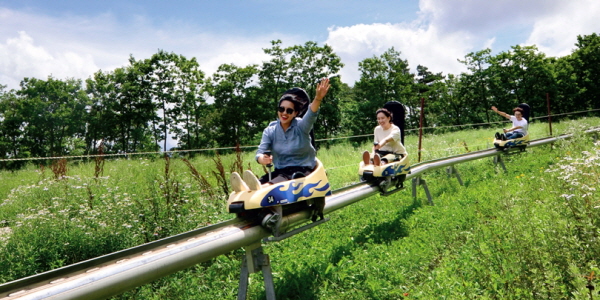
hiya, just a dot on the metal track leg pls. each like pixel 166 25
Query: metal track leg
pixel 415 182
pixel 255 260
pixel 452 171
pixel 424 184
pixel 267 275
pixel 243 288
pixel 420 181
pixel 498 160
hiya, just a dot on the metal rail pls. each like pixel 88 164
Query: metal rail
pixel 420 168
pixel 114 273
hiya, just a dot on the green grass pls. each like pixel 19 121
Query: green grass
pixel 530 233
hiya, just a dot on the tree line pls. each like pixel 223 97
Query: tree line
pixel 136 107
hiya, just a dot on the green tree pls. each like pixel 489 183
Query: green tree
pixel 564 99
pixel 431 89
pixel 522 74
pixel 101 119
pixel 273 74
pixel 346 97
pixel 586 64
pixel 11 128
pixel 235 91
pixel 454 109
pixel 191 112
pixel 55 113
pixel 474 86
pixel 194 120
pixel 120 112
pixel 169 79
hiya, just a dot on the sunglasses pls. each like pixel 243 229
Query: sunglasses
pixel 289 111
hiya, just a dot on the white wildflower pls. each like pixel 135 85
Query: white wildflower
pixel 567 196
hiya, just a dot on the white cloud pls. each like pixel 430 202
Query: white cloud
pixel 448 30
pixel 489 43
pixel 419 45
pixel 75 47
pixel 37 45
pixel 483 17
pixel 20 57
pixel 556 34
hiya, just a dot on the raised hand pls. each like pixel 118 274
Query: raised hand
pixel 322 88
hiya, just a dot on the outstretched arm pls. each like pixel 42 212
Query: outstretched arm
pixel 322 89
pixel 501 112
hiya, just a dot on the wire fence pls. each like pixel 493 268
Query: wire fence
pixel 126 154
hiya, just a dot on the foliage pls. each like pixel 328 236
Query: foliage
pixel 43 116
pixel 175 86
pixel 236 119
pixel 140 106
pixel 119 114
pixel 474 86
pixel 521 75
pixel 586 66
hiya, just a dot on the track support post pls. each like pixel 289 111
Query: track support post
pixel 420 181
pixel 498 160
pixel 255 260
pixel 451 171
pixel 294 232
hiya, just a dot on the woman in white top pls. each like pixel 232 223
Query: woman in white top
pixel 519 125
pixel 387 141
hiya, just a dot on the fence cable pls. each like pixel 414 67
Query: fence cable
pixel 126 154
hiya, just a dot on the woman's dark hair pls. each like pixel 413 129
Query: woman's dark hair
pixel 518 109
pixel 298 105
pixel 298 97
pixel 386 112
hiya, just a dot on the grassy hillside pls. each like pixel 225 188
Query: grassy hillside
pixel 530 233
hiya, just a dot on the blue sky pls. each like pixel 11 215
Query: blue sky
pixel 310 18
pixel 74 39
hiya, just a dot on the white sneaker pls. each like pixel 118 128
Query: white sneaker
pixel 237 184
pixel 251 180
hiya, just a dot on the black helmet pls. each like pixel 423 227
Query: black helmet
pixel 526 110
pixel 398 114
pixel 299 97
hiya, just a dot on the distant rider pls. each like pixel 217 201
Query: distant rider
pixel 387 141
pixel 519 125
